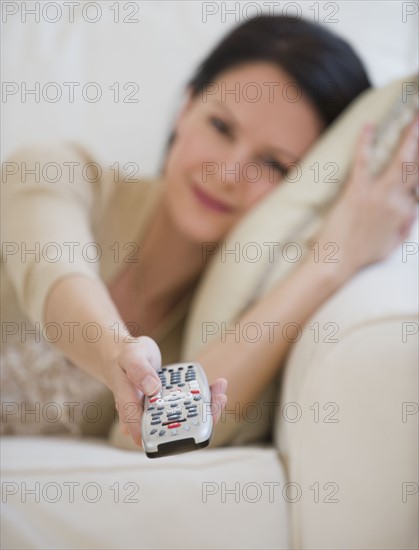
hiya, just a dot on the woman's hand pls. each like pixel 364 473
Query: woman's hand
pixel 373 215
pixel 133 373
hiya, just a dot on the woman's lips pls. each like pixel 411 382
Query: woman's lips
pixel 210 202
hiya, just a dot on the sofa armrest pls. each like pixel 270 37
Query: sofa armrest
pixel 347 425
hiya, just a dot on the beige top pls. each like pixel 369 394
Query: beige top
pixel 78 217
pixel 66 214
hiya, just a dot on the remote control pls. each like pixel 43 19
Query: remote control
pixel 178 419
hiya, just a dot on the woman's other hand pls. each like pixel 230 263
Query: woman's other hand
pixel 374 214
pixel 133 374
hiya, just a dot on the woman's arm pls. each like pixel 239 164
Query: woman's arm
pixel 250 365
pixel 125 364
pixel 76 301
pixel 367 222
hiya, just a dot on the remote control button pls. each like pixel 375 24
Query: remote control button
pixel 174 395
pixel 190 415
pixel 175 425
pixel 162 432
pixel 154 422
pixel 181 384
pixel 155 398
pixel 160 407
pixel 156 414
pixel 195 391
pixel 197 398
pixel 190 367
pixel 153 431
pixel 150 408
pixel 169 387
pixel 173 404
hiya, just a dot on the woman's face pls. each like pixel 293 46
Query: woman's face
pixel 232 141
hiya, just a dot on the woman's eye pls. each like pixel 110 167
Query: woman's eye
pixel 220 125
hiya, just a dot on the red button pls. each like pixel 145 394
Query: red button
pixel 195 391
pixel 153 399
pixel 175 425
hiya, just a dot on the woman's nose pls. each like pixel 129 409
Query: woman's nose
pixel 233 165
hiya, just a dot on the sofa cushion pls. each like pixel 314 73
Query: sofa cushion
pixel 86 494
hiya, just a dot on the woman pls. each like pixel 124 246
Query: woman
pixel 205 193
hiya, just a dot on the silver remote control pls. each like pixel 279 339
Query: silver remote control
pixel 178 419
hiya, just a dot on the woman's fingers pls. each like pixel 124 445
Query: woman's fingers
pixel 361 164
pixel 218 398
pixel 402 170
pixel 408 148
pixel 132 374
pixel 219 386
pixel 129 404
pixel 140 361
